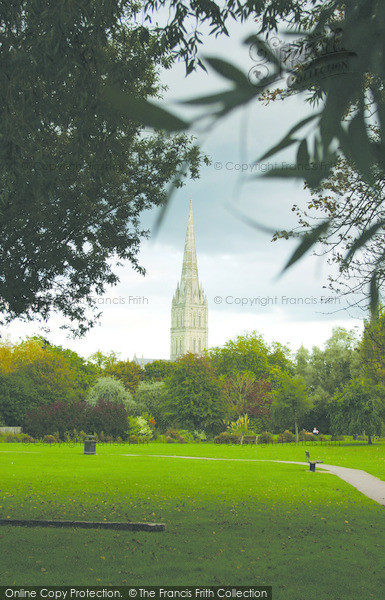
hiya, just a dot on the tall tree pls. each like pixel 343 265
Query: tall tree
pixel 158 370
pixel 359 407
pixel 194 394
pixel 126 371
pixel 247 395
pixel 290 402
pixel 325 370
pixel 372 349
pixel 250 353
pixel 75 171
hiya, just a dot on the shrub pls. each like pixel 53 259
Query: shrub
pixel 49 439
pixel 16 437
pixel 241 426
pixel 199 436
pixel 109 389
pixel 140 426
pixel 286 437
pixel 227 438
pixel 306 436
pixel 182 436
pixel 265 438
pixel 337 438
pixel 62 418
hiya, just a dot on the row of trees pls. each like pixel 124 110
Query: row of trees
pixel 338 389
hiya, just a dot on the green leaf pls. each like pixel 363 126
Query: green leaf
pixel 220 98
pixel 359 146
pixel 308 241
pixel 374 295
pixel 288 140
pixel 284 143
pixel 251 222
pixel 303 154
pixel 228 70
pixel 142 110
pixel 283 172
pixel 362 239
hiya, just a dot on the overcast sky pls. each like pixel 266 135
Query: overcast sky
pixel 238 265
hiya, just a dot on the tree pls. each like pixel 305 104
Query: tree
pixel 109 389
pixel 126 371
pixel 250 353
pixel 372 349
pixel 290 402
pixel 76 172
pixel 350 204
pixel 34 372
pixel 325 370
pixel 151 397
pixel 194 395
pixel 18 396
pixel 50 373
pixel 85 372
pixel 245 395
pixel 158 370
pixel 359 407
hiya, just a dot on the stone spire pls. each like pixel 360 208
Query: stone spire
pixel 189 330
pixel 189 282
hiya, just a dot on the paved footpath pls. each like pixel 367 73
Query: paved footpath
pixel 367 484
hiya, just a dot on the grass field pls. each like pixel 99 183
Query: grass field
pixel 229 522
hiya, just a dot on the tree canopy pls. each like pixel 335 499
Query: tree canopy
pixel 75 172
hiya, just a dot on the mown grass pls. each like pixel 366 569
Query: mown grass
pixel 228 522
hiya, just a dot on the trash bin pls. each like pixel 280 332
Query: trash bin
pixel 90 444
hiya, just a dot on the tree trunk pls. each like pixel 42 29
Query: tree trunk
pixel 370 439
pixel 296 432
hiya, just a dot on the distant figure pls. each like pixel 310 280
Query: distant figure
pixel 315 431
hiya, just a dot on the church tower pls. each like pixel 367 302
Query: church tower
pixel 189 330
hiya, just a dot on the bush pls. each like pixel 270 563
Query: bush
pixel 265 438
pixel 140 427
pixel 182 436
pixel 61 418
pixel 228 438
pixel 241 426
pixel 199 436
pixel 306 436
pixel 15 437
pixel 286 437
pixel 337 438
pixel 49 439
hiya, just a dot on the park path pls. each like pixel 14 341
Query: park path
pixel 369 485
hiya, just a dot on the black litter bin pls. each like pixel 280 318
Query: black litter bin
pixel 90 444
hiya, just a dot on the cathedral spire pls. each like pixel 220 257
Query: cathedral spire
pixel 189 305
pixel 189 283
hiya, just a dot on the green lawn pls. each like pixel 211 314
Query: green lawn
pixel 309 535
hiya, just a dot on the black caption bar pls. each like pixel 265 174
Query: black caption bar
pixel 136 593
